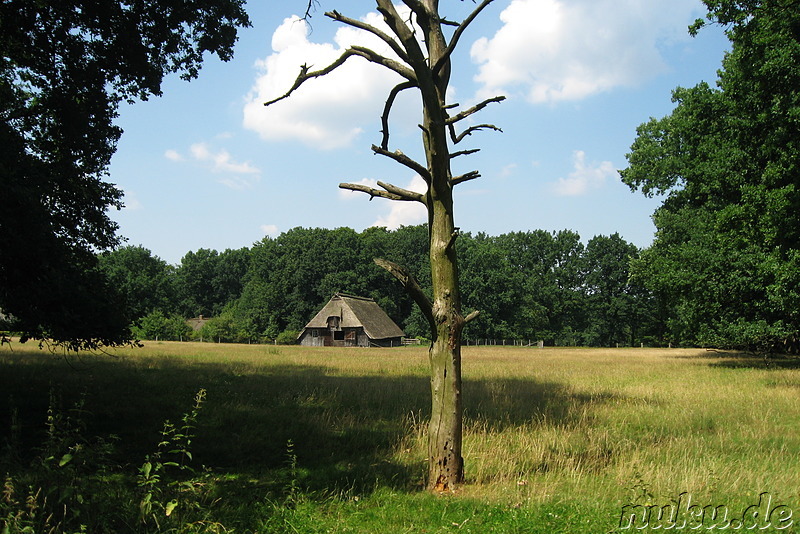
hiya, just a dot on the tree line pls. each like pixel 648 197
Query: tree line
pixel 533 285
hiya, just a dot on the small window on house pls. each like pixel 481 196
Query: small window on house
pixel 338 335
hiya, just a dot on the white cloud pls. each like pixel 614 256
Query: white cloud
pixel 404 213
pixel 326 112
pixel 173 155
pixel 238 183
pixel 131 201
pixel 269 229
pixel 221 160
pixel 584 178
pixel 560 50
pixel 508 170
pixel 238 175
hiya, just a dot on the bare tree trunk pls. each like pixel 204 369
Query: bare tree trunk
pixel 429 72
pixel 445 463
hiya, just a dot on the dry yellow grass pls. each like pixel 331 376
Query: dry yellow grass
pixel 542 425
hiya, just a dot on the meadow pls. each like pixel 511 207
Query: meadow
pixel 322 440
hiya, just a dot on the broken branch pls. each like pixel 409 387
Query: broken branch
pixel 371 191
pixel 309 7
pixel 391 192
pixel 458 138
pixel 405 193
pixel 412 287
pixel 474 109
pixel 388 107
pixel 401 69
pixel 307 74
pixel 402 159
pixel 464 152
pixel 457 35
pixel 335 15
pixel 471 316
pixel 471 175
pixel 403 32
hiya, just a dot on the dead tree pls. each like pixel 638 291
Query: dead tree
pixel 423 43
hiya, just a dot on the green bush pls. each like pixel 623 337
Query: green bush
pixel 157 326
pixel 287 337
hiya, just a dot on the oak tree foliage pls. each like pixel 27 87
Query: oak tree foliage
pixel 726 259
pixel 65 68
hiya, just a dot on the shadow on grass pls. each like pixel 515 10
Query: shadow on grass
pixel 733 359
pixel 747 360
pixel 272 426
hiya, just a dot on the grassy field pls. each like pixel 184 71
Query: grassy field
pixel 333 440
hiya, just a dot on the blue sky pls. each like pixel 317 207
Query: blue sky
pixel 207 166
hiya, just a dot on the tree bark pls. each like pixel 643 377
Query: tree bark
pixel 445 462
pixel 429 72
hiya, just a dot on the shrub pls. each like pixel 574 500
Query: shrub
pixel 287 337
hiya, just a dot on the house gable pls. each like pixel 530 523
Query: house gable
pixel 348 320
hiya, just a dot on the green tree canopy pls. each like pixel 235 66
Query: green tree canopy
pixel 146 282
pixel 726 258
pixel 65 67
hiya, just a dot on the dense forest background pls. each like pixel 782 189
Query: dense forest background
pixel 528 286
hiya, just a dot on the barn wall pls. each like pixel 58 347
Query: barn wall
pixel 307 339
pixel 363 339
pixel 360 339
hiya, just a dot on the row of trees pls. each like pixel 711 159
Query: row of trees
pixel 528 285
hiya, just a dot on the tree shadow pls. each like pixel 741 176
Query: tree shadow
pixel 271 427
pixel 748 360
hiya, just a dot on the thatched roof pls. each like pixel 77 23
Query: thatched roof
pixel 196 323
pixel 357 312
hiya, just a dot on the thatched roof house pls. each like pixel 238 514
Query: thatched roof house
pixel 196 323
pixel 350 321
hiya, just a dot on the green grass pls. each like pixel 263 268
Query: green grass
pixel 556 440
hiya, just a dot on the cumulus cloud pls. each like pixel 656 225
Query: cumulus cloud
pixel 508 170
pixel 131 200
pixel 238 175
pixel 584 178
pixel 173 155
pixel 326 112
pixel 566 50
pixel 269 229
pixel 221 160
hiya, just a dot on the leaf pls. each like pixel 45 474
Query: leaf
pixel 67 458
pixel 171 505
pixel 146 467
